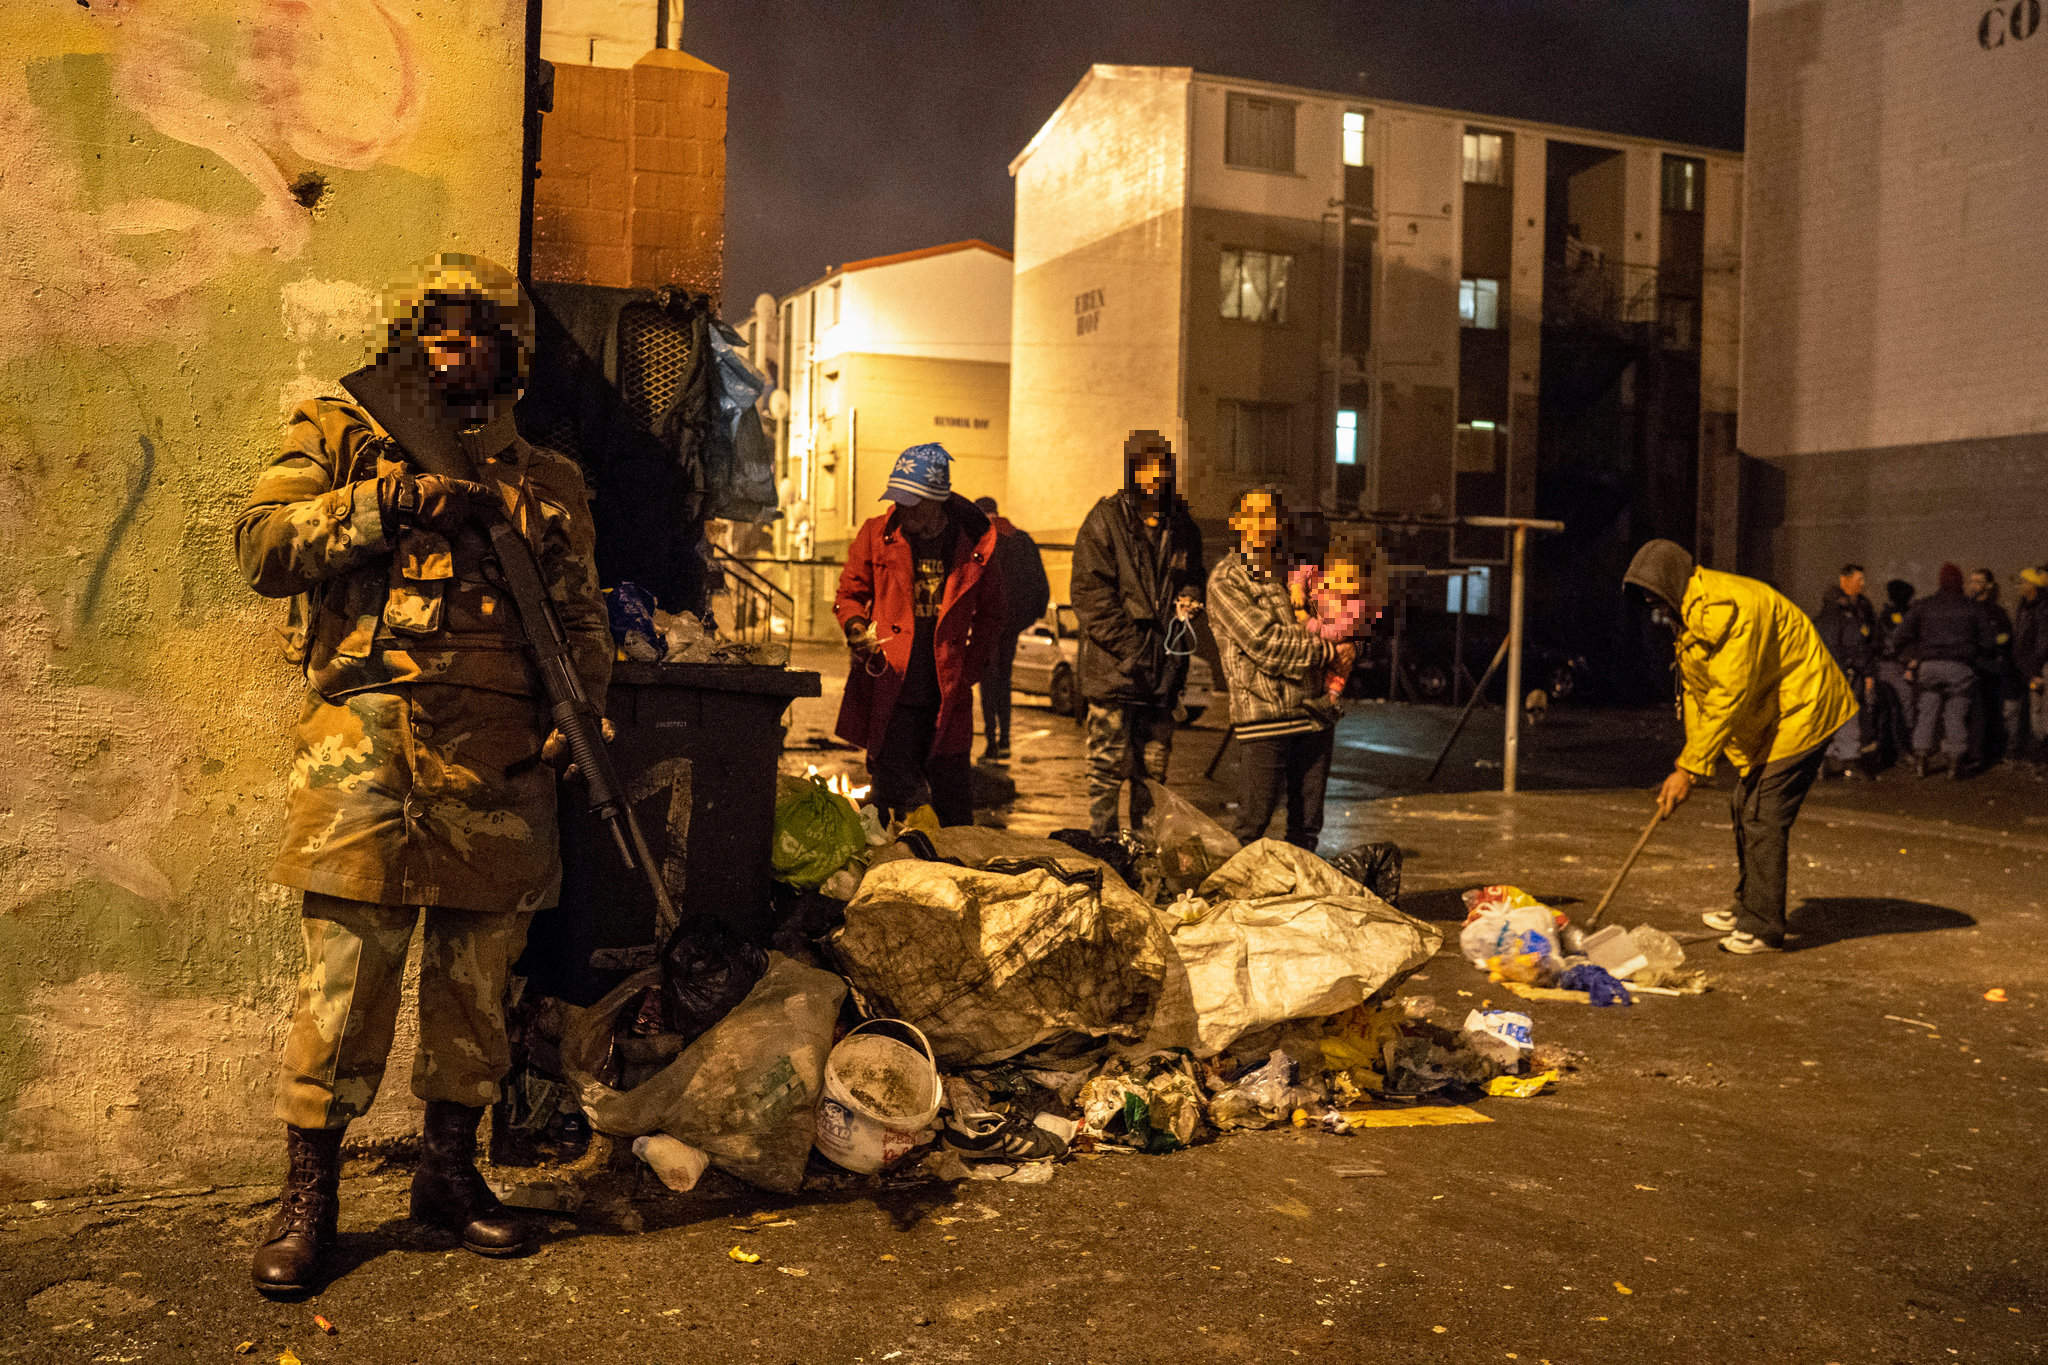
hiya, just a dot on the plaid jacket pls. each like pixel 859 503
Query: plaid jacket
pixel 1272 662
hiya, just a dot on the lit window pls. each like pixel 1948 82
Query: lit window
pixel 1479 303
pixel 1354 139
pixel 1254 285
pixel 1258 133
pixel 1256 437
pixel 1684 183
pixel 1485 159
pixel 1347 436
pixel 1476 602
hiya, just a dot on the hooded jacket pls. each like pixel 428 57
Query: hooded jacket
pixel 1945 626
pixel 878 586
pixel 1758 683
pixel 1125 578
pixel 1026 590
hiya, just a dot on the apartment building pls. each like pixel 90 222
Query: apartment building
pixel 1895 314
pixel 1383 308
pixel 876 356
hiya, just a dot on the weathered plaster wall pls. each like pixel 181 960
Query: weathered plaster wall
pixel 165 297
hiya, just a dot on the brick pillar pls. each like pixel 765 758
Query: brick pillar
pixel 632 176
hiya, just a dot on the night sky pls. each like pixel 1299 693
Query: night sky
pixel 861 127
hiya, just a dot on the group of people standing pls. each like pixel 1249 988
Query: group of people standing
pixel 948 587
pixel 1951 681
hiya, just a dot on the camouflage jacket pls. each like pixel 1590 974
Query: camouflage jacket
pixel 376 607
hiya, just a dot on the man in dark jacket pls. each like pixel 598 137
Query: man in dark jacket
pixel 1895 690
pixel 1026 593
pixel 1848 627
pixel 1941 640
pixel 1998 681
pixel 2030 657
pixel 1137 584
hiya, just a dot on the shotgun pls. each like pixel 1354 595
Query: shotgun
pixel 401 401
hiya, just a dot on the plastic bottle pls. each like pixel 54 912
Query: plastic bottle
pixel 678 1164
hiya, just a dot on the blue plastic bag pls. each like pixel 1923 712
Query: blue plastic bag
pixel 741 465
pixel 631 609
pixel 1597 982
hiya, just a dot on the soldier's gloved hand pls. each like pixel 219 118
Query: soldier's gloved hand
pixel 431 501
pixel 556 749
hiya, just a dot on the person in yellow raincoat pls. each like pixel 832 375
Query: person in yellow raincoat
pixel 1759 687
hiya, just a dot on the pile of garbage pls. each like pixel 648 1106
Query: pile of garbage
pixel 977 1003
pixel 1538 953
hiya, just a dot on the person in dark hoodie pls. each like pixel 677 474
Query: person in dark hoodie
pixel 2030 657
pixel 1137 585
pixel 1941 640
pixel 921 602
pixel 1758 687
pixel 1026 593
pixel 1896 714
pixel 1998 682
pixel 1848 627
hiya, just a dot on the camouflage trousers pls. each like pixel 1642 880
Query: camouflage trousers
pixel 1133 742
pixel 347 1011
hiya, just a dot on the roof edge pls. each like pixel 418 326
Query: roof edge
pixel 1107 71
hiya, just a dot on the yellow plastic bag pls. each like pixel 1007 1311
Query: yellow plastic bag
pixel 1520 1087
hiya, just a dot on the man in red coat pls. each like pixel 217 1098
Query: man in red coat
pixel 921 602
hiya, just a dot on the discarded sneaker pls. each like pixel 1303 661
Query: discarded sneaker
pixel 1723 920
pixel 993 1137
pixel 1739 942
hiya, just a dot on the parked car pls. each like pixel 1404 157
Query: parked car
pixel 1046 664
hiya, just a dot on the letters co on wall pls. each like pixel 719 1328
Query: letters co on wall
pixel 2015 21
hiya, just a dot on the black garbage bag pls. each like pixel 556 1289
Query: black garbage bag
pixel 1120 851
pixel 1377 865
pixel 705 972
pixel 802 918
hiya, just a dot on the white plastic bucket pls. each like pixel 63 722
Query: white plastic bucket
pixel 882 1092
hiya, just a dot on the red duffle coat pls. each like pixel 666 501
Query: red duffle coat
pixel 877 584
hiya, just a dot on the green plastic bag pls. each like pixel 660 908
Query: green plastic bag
pixel 817 832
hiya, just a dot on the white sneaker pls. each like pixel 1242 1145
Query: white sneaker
pixel 1739 942
pixel 1723 920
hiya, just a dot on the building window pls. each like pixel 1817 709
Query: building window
pixel 1347 436
pixel 1255 438
pixel 1479 303
pixel 1685 183
pixel 1477 601
pixel 1258 133
pixel 1255 285
pixel 1485 159
pixel 1354 138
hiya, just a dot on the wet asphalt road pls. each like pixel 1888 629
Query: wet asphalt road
pixel 1832 1156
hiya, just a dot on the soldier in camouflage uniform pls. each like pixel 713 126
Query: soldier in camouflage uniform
pixel 422 781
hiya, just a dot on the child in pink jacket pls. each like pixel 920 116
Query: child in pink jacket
pixel 1340 600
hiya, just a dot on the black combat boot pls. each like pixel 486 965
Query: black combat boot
pixel 302 1234
pixel 449 1192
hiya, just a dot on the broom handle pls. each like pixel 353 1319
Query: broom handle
pixel 1593 920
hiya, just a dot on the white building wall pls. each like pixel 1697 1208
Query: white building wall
pixel 614 33
pixel 954 306
pixel 1097 332
pixel 1897 184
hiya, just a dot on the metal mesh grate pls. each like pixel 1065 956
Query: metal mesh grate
pixel 654 361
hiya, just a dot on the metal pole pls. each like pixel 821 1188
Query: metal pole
pixel 1478 691
pixel 1458 633
pixel 1510 760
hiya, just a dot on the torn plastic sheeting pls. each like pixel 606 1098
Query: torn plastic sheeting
pixel 1322 950
pixel 1190 845
pixel 989 963
pixel 745 1093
